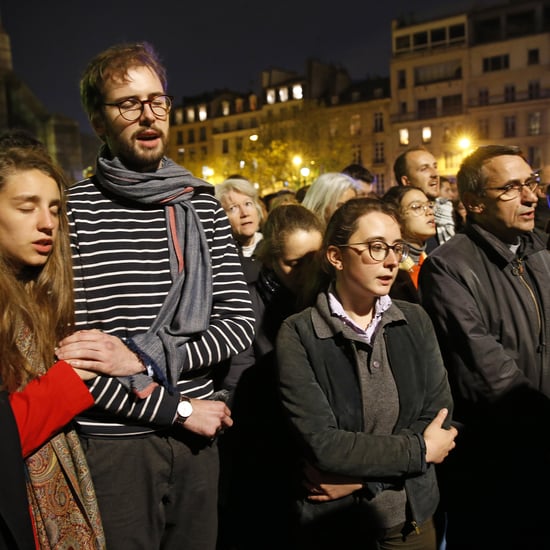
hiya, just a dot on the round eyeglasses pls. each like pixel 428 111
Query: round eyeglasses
pixel 130 109
pixel 419 208
pixel 379 250
pixel 513 189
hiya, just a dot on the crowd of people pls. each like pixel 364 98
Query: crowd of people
pixel 216 371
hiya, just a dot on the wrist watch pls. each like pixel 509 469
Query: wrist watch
pixel 184 410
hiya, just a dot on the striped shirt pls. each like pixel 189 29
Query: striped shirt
pixel 122 275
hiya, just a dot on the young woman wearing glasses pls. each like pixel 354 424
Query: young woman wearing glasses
pixel 365 391
pixel 416 213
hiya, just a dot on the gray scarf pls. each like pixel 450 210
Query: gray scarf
pixel 182 315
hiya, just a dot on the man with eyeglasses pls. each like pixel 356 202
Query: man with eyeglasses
pixel 158 278
pixel 487 292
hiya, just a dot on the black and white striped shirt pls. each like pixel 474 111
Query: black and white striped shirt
pixel 122 275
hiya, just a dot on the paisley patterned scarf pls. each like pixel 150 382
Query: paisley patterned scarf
pixel 59 485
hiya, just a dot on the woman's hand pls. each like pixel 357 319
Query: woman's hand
pixel 439 441
pixel 323 486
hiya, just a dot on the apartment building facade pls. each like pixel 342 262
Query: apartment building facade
pixel 455 83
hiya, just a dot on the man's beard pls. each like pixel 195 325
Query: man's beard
pixel 139 159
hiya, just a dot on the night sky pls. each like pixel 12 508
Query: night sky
pixel 206 45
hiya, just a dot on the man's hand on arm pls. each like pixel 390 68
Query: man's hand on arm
pixel 96 352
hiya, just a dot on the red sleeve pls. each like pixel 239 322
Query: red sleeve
pixel 47 403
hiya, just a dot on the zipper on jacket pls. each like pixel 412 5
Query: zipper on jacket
pixel 518 271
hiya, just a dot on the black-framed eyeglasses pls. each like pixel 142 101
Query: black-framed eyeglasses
pixel 131 108
pixel 419 208
pixel 379 250
pixel 513 189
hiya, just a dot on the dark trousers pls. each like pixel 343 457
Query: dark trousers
pixel 156 492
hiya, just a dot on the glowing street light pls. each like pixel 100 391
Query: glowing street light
pixel 297 160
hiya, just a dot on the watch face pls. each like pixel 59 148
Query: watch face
pixel 185 409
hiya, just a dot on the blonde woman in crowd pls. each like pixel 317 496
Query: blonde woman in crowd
pixel 328 192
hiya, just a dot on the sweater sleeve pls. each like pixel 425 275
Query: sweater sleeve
pixel 47 403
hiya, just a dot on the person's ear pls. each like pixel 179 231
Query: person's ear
pixel 405 181
pixel 334 257
pixel 98 124
pixel 473 203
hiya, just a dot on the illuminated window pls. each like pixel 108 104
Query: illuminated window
pixel 178 116
pixel 533 124
pixel 190 113
pixel 283 94
pixel 426 134
pixel 202 113
pixel 270 96
pixel 239 105
pixel 225 108
pixel 403 136
pixel 253 102
pixel 297 92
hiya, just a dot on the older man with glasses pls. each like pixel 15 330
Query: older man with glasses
pixel 487 292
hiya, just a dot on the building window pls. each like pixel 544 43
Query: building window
pixel 402 43
pixel 204 152
pixel 534 124
pixel 203 113
pixel 226 127
pixel 379 152
pixel 401 79
pixel 420 40
pixel 438 72
pixel 225 146
pixel 252 102
pixel 379 181
pixel 483 96
pixel 179 137
pixel 403 107
pixel 355 125
pixel 297 91
pixel 509 93
pixel 438 36
pixel 190 114
pixel 239 105
pixel 283 94
pixel 178 116
pixel 202 133
pixel 534 156
pixel 496 63
pixel 403 136
pixel 426 134
pixel 533 57
pixel 427 108
pixel 509 126
pixel 533 89
pixel 483 128
pixel 447 134
pixel 191 136
pixel 270 96
pixel 226 108
pixel 451 104
pixel 378 122
pixel 457 33
pixel 239 144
